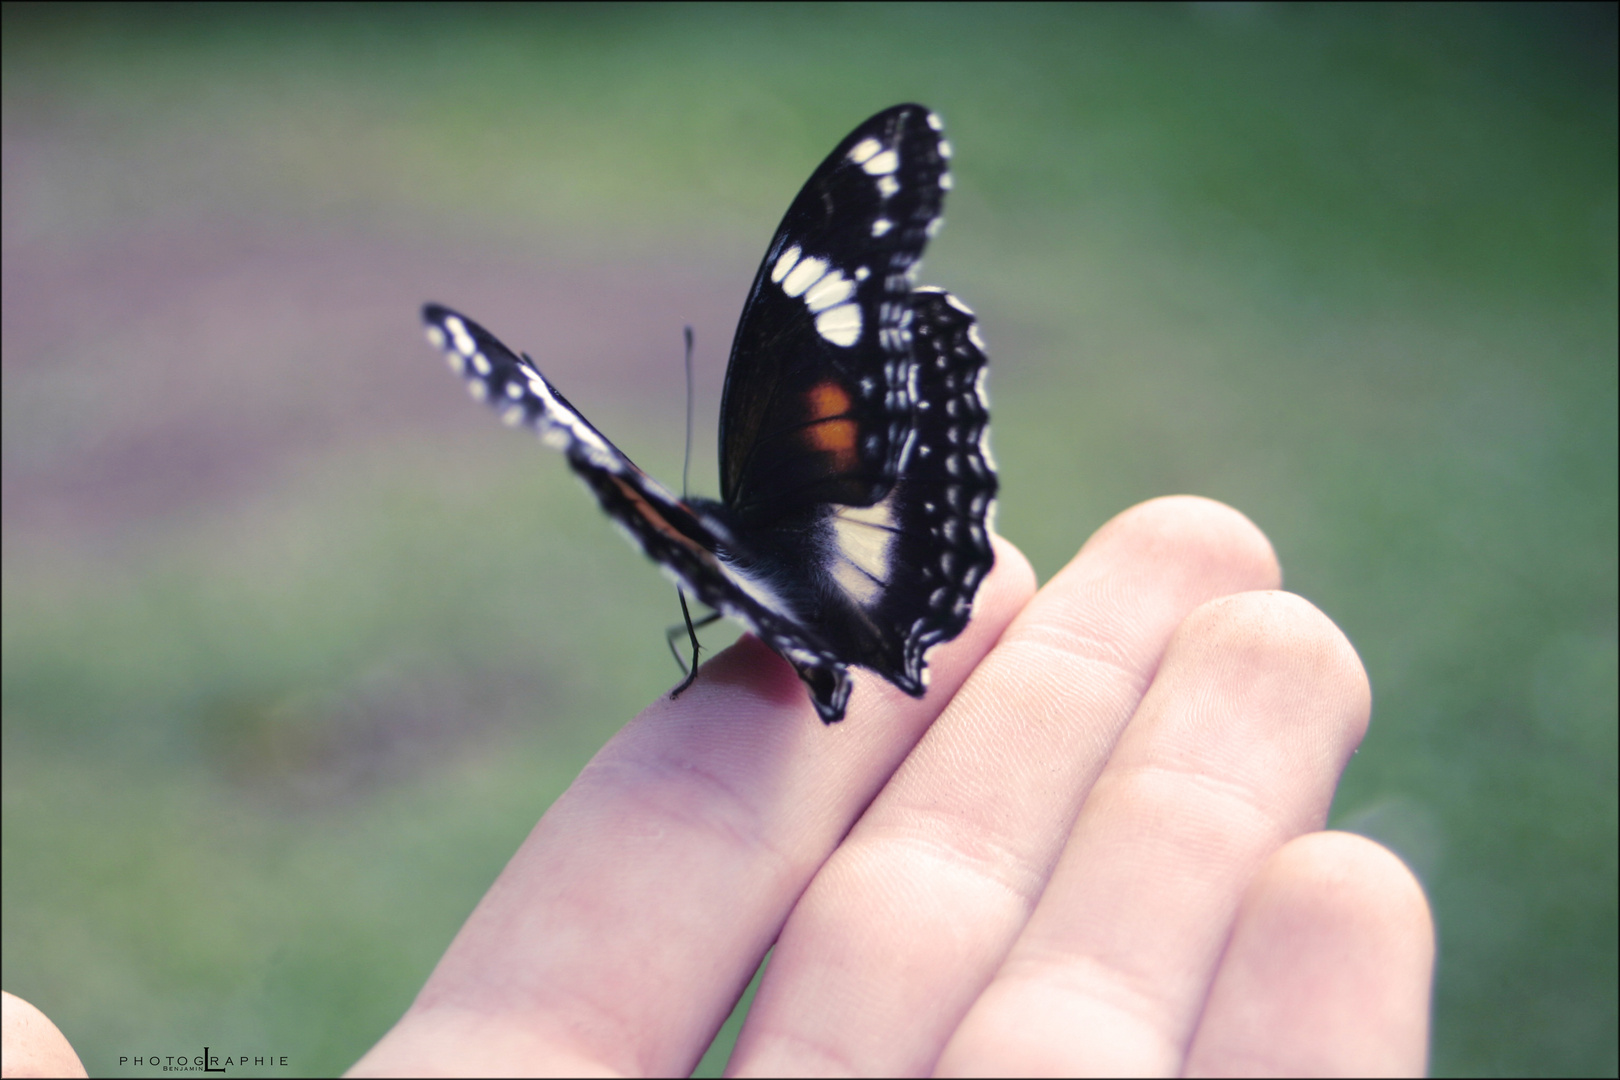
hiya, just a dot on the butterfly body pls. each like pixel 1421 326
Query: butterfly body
pixel 855 473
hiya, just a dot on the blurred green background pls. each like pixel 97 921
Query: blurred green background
pixel 298 643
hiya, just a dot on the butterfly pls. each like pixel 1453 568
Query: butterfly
pixel 856 482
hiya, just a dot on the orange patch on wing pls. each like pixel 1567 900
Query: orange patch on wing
pixel 825 433
pixel 828 399
pixel 650 514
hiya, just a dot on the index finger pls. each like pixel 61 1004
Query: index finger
pixel 625 928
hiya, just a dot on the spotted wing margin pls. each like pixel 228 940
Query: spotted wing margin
pixel 822 346
pixel 685 540
pixel 908 567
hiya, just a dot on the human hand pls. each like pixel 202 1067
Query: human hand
pixel 30 1045
pixel 1101 858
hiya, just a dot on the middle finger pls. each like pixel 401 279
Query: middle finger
pixel 909 919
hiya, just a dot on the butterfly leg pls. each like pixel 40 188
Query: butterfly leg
pixel 691 632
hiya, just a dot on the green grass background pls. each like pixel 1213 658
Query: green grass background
pixel 267 740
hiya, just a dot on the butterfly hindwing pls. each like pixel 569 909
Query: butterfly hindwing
pixel 665 528
pixel 942 503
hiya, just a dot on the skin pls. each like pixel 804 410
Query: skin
pixel 1093 847
pixel 32 1045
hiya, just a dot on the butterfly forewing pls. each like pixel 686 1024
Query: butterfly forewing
pixel 817 396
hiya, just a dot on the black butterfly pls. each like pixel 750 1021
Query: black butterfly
pixel 856 484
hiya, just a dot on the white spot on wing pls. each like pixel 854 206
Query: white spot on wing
pixel 981 390
pixel 935 122
pixel 458 334
pixel 863 151
pixel 806 274
pixel 860 588
pixel 864 539
pixel 785 263
pixel 887 186
pixel 945 181
pixel 881 226
pixel 835 288
pixel 944 148
pixel 840 325
pixel 883 164
pixel 435 337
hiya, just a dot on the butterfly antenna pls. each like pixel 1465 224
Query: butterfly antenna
pixel 686 462
pixel 686 614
